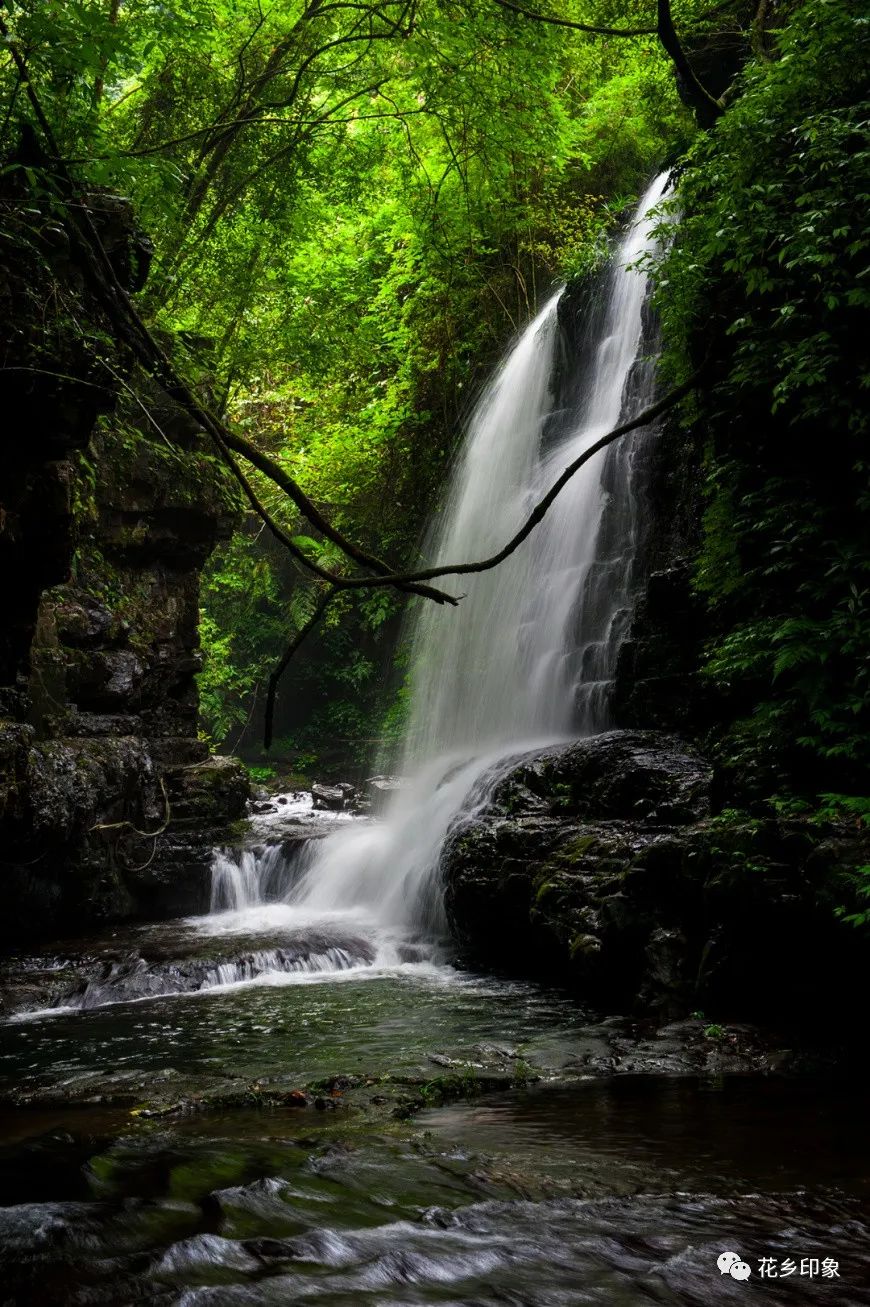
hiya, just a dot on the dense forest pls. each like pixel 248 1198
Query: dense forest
pixel 435 547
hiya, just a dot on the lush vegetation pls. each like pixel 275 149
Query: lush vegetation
pixel 768 280
pixel 352 207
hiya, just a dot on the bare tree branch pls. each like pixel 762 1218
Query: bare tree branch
pixel 100 81
pixel 757 31
pixel 333 578
pixel 539 512
pixel 255 119
pixel 153 358
pixel 134 333
pixel 706 105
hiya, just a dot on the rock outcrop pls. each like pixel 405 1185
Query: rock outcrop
pixel 108 800
pixel 600 863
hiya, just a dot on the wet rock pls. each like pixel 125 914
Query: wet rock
pixel 378 789
pixel 682 1048
pixel 104 680
pixel 120 980
pixel 600 863
pixel 202 1254
pixel 333 797
pixel 619 775
pixel 690 1029
pixel 98 698
pixel 74 784
pixel 412 952
pixel 215 790
pixel 81 619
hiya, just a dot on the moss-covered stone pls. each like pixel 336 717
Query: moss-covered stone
pixel 642 900
pixel 106 519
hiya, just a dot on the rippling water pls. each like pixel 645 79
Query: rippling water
pixel 280 1028
pixel 610 1191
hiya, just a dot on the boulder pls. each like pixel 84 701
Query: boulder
pixel 333 797
pixel 213 792
pixel 645 776
pixel 600 863
pixel 377 791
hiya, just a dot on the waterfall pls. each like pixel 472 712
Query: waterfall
pixel 528 656
pixel 518 661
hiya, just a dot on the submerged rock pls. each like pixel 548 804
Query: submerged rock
pixel 122 979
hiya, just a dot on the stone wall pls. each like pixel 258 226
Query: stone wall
pixel 109 803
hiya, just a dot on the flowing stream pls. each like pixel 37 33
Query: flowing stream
pixel 296 1098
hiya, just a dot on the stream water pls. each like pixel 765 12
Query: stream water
pixel 298 1097
pixel 517 1178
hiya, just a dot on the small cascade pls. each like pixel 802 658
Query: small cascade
pixel 529 656
pixel 241 878
pixel 135 978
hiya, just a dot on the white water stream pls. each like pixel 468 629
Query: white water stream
pixel 528 656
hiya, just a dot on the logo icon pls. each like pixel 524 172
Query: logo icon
pixel 732 1264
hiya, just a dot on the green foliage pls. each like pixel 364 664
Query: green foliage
pixel 241 624
pixel 860 886
pixel 855 808
pixel 768 277
pixel 353 205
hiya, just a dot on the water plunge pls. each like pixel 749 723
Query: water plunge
pixel 529 655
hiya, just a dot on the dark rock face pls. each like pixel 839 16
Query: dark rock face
pixel 657 682
pixel 600 863
pixel 108 801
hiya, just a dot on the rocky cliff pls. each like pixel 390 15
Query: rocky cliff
pixel 110 507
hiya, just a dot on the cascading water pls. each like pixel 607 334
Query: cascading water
pixel 528 656
pixel 508 669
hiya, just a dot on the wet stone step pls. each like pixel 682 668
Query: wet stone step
pixel 136 978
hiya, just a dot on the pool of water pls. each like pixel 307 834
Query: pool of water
pixel 290 1030
pixel 541 1186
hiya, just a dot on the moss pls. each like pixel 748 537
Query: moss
pixel 192 1180
pixel 583 944
pixel 576 850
